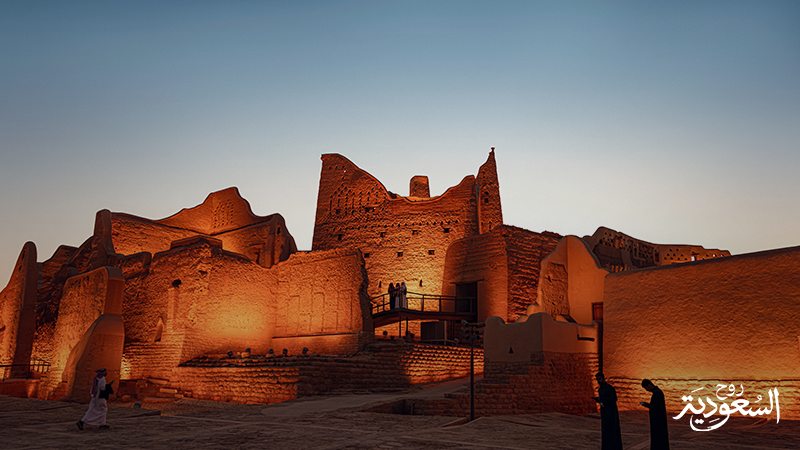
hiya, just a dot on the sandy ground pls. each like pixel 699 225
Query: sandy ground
pixel 337 423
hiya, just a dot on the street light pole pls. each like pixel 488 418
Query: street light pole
pixel 472 376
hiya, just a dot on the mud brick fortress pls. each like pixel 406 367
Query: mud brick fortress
pixel 218 303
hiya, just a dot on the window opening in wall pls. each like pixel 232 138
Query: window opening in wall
pixel 380 284
pixel 176 283
pixel 399 254
pixel 485 199
pixel 383 234
pixel 366 255
pixel 414 232
pixel 431 252
pixel 420 283
pixel 446 230
pixel 159 331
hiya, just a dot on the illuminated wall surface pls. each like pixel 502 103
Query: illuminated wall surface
pixel 151 298
pixel 403 238
pixel 728 319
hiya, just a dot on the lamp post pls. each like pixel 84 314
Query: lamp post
pixel 471 331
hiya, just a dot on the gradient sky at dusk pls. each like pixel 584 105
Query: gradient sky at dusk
pixel 675 122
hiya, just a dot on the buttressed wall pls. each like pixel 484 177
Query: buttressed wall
pixel 719 320
pixel 504 263
pixel 86 297
pixel 571 281
pixel 402 238
pixel 18 310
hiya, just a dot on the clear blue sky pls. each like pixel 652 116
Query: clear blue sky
pixel 675 122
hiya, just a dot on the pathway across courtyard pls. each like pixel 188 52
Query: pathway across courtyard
pixel 339 423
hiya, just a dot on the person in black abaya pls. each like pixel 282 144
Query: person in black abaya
pixel 659 435
pixel 609 415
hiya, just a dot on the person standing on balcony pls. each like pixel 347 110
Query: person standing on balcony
pixel 392 295
pixel 403 293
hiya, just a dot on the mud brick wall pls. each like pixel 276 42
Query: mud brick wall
pixel 388 365
pixel 321 302
pixel 697 320
pixel 18 309
pixel 550 382
pixel 403 239
pixel 630 392
pixel 239 384
pixel 224 215
pixel 53 275
pixel 526 250
pixel 84 300
pixel 505 262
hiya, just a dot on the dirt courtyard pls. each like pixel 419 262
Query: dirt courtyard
pixel 338 423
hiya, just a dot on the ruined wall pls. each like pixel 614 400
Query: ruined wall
pixel 505 263
pixel 617 251
pixel 195 299
pixel 402 238
pixel 54 273
pixel 224 215
pixel 526 250
pixel 322 302
pixel 198 299
pixel 490 211
pixel 732 318
pixel 571 281
pixel 133 234
pixel 18 311
pixel 84 300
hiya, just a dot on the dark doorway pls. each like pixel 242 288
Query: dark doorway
pixel 466 297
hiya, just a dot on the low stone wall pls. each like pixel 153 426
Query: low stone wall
pixel 327 344
pixel 276 379
pixel 389 366
pixel 550 382
pixel 239 384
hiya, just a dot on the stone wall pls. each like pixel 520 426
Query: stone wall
pixel 617 251
pixel 548 382
pixel 380 367
pixel 86 297
pixel 322 302
pixel 224 215
pixel 199 299
pixel 402 238
pixel 18 311
pixel 733 318
pixel 531 366
pixel 239 384
pixel 571 281
pixel 481 259
pixel 54 273
pixel 526 250
pixel 505 264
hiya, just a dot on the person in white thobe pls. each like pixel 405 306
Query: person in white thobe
pixel 98 407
